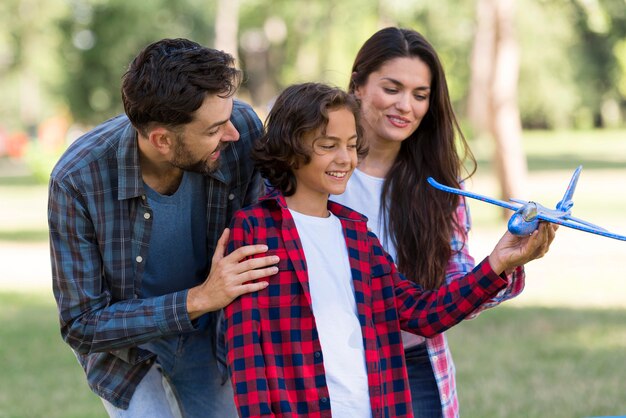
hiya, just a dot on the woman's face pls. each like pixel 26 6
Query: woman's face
pixel 395 99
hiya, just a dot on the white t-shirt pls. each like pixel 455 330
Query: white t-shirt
pixel 363 195
pixel 335 312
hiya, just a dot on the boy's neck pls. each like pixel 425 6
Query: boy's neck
pixel 310 207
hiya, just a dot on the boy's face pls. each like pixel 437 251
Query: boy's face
pixel 333 157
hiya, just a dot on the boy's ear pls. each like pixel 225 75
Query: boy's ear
pixel 161 139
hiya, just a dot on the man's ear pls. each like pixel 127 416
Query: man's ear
pixel 161 139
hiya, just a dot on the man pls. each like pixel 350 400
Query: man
pixel 136 210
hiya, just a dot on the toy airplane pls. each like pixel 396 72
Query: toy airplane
pixel 528 214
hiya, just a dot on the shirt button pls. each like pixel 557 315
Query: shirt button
pixel 143 197
pixel 146 215
pixel 435 358
pixel 231 196
pixel 324 400
pixel 139 259
pixel 318 354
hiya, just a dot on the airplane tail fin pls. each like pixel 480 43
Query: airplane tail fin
pixel 567 202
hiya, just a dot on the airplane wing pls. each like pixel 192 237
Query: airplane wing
pixel 573 223
pixel 508 205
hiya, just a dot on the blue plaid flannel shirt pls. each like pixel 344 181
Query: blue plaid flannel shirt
pixel 100 224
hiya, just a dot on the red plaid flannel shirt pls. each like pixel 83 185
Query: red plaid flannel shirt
pixel 273 351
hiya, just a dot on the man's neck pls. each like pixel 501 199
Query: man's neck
pixel 157 173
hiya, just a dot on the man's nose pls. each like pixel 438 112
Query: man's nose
pixel 231 133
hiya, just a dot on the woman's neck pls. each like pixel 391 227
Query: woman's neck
pixel 380 159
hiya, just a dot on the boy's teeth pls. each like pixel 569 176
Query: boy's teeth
pixel 336 174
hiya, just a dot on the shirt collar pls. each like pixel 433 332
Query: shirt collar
pixel 129 180
pixel 336 209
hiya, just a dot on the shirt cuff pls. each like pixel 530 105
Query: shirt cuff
pixel 171 313
pixel 488 280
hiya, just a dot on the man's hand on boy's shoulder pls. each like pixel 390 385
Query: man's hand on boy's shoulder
pixel 230 277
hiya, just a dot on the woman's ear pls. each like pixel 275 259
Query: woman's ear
pixel 357 89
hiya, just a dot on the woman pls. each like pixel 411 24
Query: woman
pixel 412 134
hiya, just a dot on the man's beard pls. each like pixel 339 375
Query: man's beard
pixel 185 161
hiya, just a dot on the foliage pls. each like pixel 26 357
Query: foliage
pixel 40 161
pixel 101 38
pixel 72 54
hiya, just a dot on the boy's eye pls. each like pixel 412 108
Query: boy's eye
pixel 324 146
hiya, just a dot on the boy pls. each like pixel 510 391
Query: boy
pixel 325 334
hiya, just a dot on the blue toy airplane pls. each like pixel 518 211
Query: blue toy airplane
pixel 528 214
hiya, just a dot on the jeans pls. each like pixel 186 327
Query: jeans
pixel 188 363
pixel 424 391
pixel 152 398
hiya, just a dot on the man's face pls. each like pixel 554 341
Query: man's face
pixel 197 146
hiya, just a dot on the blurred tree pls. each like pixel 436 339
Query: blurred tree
pixel 493 96
pixel 572 71
pixel 101 37
pixel 28 65
pixel 227 26
pixel 601 25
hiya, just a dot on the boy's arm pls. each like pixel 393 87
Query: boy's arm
pixel 461 262
pixel 245 358
pixel 428 313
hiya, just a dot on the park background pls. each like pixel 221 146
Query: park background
pixel 539 87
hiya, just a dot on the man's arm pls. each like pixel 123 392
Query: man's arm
pixel 231 276
pixel 91 321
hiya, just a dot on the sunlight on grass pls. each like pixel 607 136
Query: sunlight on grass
pixel 541 362
pixel 40 375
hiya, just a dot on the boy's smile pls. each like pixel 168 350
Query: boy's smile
pixel 333 159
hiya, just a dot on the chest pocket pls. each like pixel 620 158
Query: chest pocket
pixel 284 288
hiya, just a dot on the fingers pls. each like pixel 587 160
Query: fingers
pixel 247 251
pixel 251 275
pixel 543 237
pixel 256 263
pixel 220 248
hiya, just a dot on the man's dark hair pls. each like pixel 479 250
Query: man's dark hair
pixel 298 110
pixel 169 79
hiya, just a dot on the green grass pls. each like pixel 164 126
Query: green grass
pixel 541 362
pixel 519 360
pixel 511 362
pixel 40 375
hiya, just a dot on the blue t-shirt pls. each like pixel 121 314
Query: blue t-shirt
pixel 177 255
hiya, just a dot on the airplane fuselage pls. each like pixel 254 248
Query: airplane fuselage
pixel 524 221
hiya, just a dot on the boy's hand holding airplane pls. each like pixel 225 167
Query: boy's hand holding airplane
pixel 514 250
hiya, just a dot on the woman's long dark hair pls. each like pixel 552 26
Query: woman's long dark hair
pixel 420 219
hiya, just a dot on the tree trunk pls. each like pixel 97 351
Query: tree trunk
pixel 227 26
pixel 495 69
